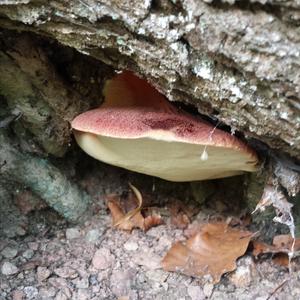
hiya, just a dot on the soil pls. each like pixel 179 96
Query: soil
pixel 42 256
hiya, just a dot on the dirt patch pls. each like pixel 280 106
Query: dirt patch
pixel 95 261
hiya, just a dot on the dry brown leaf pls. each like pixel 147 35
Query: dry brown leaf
pixel 281 244
pixel 286 241
pixel 212 251
pixel 118 216
pixel 261 248
pixel 133 219
pixel 134 212
pixel 180 215
pixel 152 221
pixel 281 259
pixel 279 251
pixel 181 221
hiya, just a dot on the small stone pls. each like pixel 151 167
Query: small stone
pixel 131 246
pixel 9 269
pixel 93 279
pixel 46 293
pixel 82 294
pixel 82 283
pixel 61 296
pixel 3 244
pixel 9 252
pixel 195 292
pixel 64 294
pixel 66 272
pixel 103 275
pixel 72 233
pixel 42 273
pixel 33 246
pixel 28 254
pixel 10 232
pixel 102 259
pixel 92 236
pixel 95 289
pixel 20 276
pixel 121 282
pixel 149 260
pixel 31 292
pixel 18 295
pixel 13 231
pixel 58 282
pixel 208 289
pixel 20 231
pixel 157 275
pixel 165 285
pixel 4 290
pixel 241 277
pixel 244 273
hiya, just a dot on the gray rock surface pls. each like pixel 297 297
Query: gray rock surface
pixel 9 268
pixel 239 64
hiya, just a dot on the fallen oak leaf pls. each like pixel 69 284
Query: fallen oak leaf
pixel 286 241
pixel 281 259
pixel 262 248
pixel 212 251
pixel 118 216
pixel 179 217
pixel 282 247
pixel 133 218
pixel 282 243
pixel 152 221
pixel 180 221
pixel 133 212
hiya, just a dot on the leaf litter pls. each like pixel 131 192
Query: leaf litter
pixel 125 219
pixel 181 213
pixel 280 248
pixel 212 251
pixel 212 248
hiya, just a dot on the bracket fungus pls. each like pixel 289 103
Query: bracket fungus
pixel 138 129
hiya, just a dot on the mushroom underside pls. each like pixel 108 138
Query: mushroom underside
pixel 170 160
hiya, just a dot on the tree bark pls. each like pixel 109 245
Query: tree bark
pixel 236 62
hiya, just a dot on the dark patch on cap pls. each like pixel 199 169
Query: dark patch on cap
pixel 181 127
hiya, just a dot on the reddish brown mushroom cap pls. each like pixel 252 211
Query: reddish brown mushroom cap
pixel 138 129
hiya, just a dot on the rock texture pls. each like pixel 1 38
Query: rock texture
pixel 236 61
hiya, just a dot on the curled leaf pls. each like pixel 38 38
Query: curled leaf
pixel 133 218
pixel 152 221
pixel 179 214
pixel 133 212
pixel 283 249
pixel 283 243
pixel 281 259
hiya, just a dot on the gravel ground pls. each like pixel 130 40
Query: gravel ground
pixel 44 257
pixel 95 261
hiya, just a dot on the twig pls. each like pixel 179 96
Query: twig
pixel 277 289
